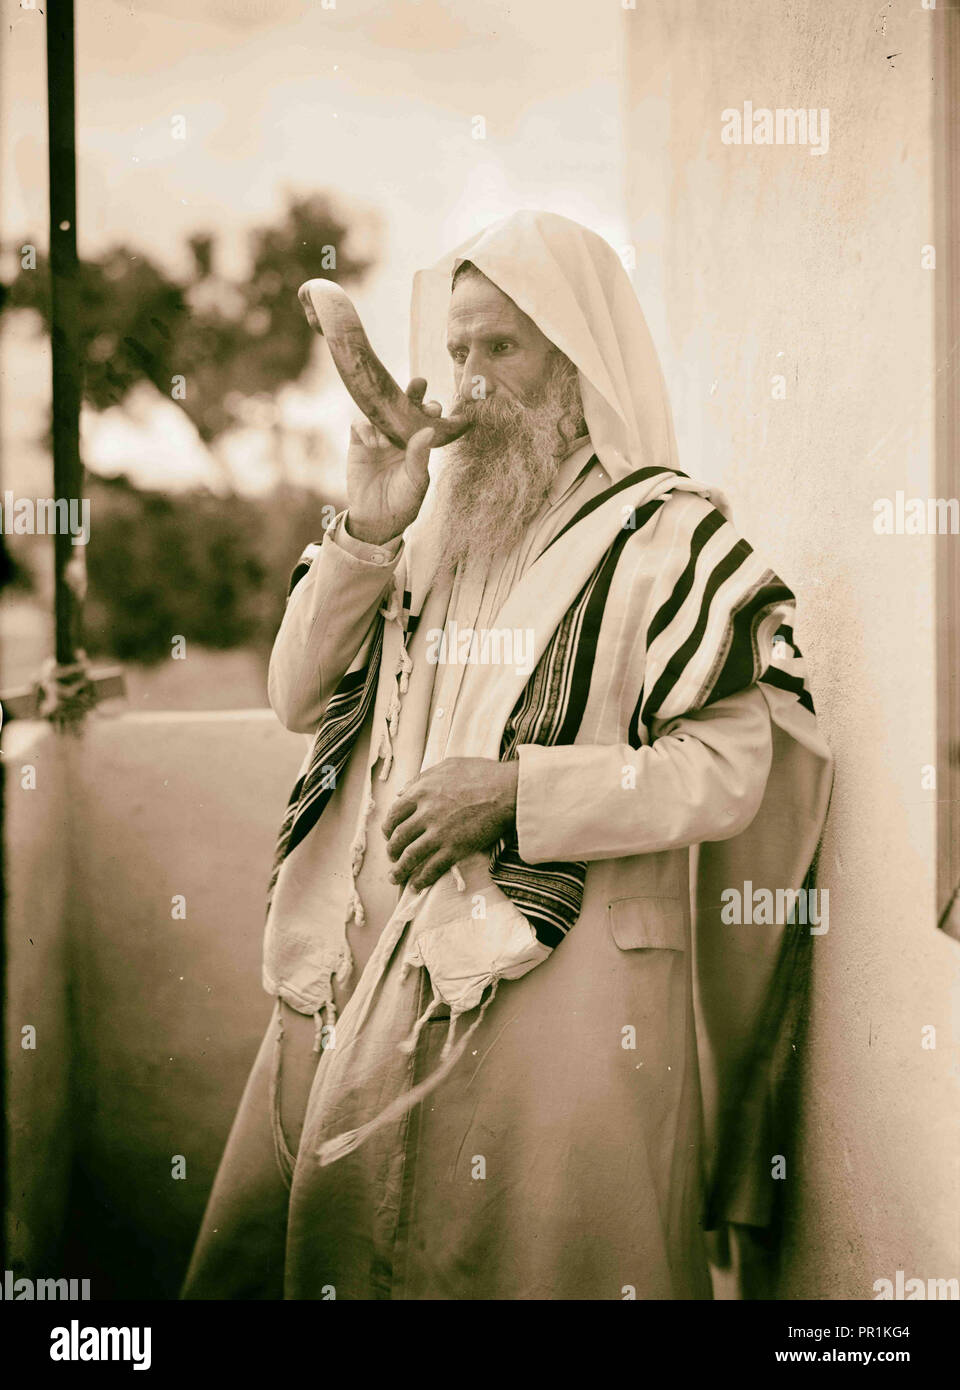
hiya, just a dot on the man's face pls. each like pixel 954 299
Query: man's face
pixel 496 349
pixel 523 397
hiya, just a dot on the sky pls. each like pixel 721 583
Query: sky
pixel 372 100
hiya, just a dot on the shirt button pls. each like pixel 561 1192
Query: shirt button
pixel 377 556
pixel 439 713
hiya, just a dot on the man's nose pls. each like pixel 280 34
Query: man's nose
pixel 476 383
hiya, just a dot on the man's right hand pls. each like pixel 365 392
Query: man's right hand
pixel 385 486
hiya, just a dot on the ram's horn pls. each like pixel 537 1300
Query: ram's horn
pixel 330 311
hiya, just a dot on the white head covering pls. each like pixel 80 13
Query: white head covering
pixel 572 284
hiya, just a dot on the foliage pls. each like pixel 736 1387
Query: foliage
pixel 226 339
pixel 211 569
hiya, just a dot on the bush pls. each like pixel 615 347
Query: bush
pixel 211 569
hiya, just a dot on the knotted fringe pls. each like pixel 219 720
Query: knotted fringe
pixel 401 683
pixel 359 846
pixel 410 1042
pixel 391 612
pixel 355 909
pixel 351 1139
pixel 329 1009
pixel 344 970
pixel 284 1155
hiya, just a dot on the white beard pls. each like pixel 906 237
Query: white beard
pixel 496 477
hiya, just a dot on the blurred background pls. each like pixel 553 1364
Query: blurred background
pixel 808 339
pixel 224 147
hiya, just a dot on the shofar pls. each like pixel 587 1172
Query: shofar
pixel 330 311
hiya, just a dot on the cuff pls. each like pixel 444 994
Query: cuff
pixel 543 834
pixel 364 550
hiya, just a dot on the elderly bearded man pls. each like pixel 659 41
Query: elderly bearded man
pixel 483 1078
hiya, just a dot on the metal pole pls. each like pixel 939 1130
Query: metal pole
pixel 64 325
pixel 66 689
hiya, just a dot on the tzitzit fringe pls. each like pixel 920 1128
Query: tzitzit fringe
pixel 391 612
pixel 284 1156
pixel 328 1010
pixel 342 1144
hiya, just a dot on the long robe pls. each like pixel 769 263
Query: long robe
pixel 566 1156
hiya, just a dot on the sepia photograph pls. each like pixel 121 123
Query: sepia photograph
pixel 480 667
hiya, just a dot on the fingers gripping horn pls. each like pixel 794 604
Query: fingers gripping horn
pixel 330 311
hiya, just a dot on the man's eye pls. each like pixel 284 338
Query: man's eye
pixel 504 346
pixel 459 355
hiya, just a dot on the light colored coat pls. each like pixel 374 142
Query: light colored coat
pixel 566 1155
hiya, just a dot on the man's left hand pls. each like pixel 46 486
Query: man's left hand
pixel 456 807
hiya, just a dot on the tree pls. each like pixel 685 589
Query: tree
pixel 226 339
pixel 213 568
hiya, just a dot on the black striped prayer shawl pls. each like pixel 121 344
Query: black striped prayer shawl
pixel 551 706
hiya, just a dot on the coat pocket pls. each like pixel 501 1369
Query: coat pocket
pixel 648 922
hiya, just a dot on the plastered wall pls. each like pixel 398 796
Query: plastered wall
pixel 135 925
pixel 38 1048
pixel 175 814
pixel 789 299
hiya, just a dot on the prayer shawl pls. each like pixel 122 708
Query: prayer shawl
pixel 716 620
pixel 651 615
